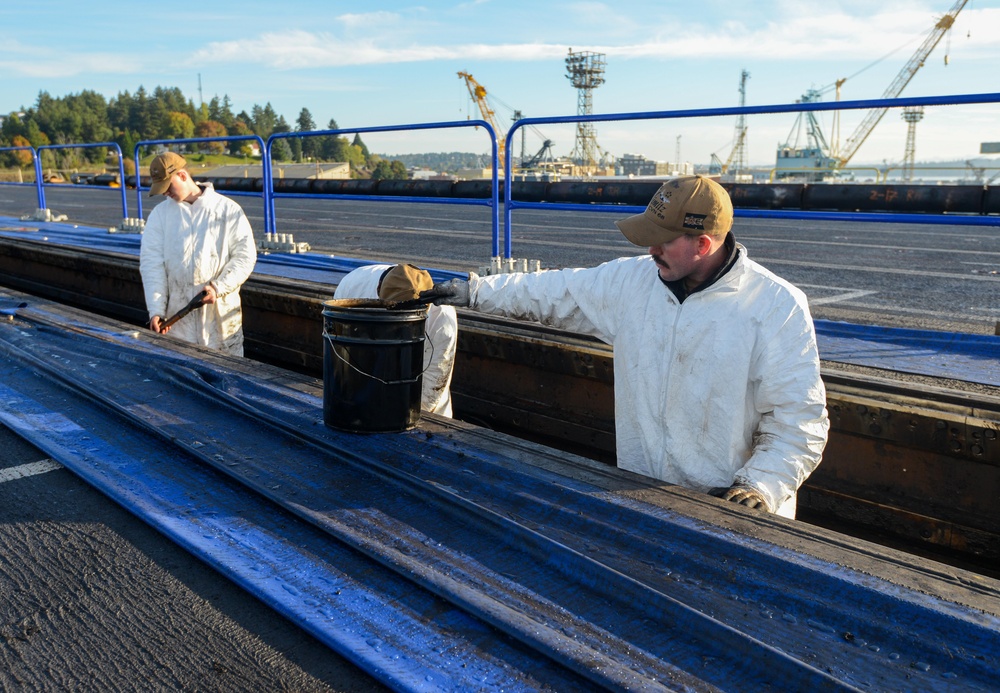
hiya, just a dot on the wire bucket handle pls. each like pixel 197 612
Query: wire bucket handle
pixel 410 381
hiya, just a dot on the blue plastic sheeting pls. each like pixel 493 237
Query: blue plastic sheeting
pixel 969 357
pixel 316 267
pixel 543 580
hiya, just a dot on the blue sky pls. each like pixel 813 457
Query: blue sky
pixel 389 63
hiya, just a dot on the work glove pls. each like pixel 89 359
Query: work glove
pixel 454 292
pixel 404 283
pixel 744 495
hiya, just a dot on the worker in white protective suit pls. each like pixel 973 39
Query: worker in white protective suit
pixel 393 283
pixel 195 241
pixel 717 379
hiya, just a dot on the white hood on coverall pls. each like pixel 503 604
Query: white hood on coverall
pixel 724 387
pixel 186 246
pixel 441 337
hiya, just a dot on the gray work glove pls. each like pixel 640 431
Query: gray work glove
pixel 454 292
pixel 744 495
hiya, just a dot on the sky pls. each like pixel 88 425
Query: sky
pixel 377 64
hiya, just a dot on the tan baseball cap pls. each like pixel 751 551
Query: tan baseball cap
pixel 691 205
pixel 161 169
pixel 403 283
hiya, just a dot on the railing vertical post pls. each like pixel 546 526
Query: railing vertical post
pixel 138 182
pixel 37 160
pixel 508 191
pixel 495 196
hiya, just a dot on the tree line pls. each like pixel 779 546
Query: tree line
pixel 165 114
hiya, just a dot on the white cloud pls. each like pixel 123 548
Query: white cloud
pixel 303 49
pixel 65 65
pixel 808 36
pixel 369 20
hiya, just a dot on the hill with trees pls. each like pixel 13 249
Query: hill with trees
pixel 165 114
pixel 442 162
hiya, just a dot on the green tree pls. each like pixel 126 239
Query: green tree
pixel 127 141
pixel 364 148
pixel 263 120
pixel 180 126
pixel 281 151
pixel 355 156
pixel 12 127
pixel 172 99
pixel 309 147
pixel 35 136
pixel 399 171
pixel 382 170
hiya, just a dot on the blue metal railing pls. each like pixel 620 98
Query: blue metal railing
pixel 109 145
pixel 493 201
pixel 494 182
pixel 35 159
pixel 963 99
pixel 265 167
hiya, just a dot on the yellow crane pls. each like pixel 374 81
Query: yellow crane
pixel 861 133
pixel 478 92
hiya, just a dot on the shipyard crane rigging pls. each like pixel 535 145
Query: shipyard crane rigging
pixel 542 155
pixel 866 126
pixel 478 92
pixel 819 155
pixel 738 152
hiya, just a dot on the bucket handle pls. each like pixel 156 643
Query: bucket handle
pixel 333 349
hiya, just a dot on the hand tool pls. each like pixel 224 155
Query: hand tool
pixel 196 302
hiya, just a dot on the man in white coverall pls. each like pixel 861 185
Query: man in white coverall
pixel 717 381
pixel 394 283
pixel 196 240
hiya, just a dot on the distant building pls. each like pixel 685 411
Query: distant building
pixel 474 173
pixel 638 165
pixel 427 174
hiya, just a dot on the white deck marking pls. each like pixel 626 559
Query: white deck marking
pixel 846 296
pixel 30 469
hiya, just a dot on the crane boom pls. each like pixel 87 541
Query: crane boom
pixel 478 92
pixel 858 137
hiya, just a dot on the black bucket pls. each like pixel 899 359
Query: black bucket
pixel 373 360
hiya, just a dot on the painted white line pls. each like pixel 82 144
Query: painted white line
pixel 30 469
pixel 839 297
pixel 877 268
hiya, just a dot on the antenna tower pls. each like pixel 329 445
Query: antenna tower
pixel 912 115
pixel 201 97
pixel 586 70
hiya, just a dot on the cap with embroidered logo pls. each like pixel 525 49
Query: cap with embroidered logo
pixel 162 169
pixel 691 206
